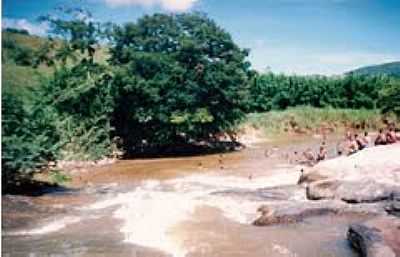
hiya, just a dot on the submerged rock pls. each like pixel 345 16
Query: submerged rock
pixel 379 237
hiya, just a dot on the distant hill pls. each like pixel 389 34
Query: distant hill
pixel 390 69
pixel 18 72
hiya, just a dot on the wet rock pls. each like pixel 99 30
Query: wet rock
pixel 379 237
pixel 292 212
pixel 371 175
pixel 363 191
pixel 281 193
pixel 393 208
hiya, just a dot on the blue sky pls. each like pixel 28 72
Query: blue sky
pixel 290 36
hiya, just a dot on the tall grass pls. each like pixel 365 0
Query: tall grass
pixel 307 119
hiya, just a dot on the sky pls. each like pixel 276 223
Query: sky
pixel 286 36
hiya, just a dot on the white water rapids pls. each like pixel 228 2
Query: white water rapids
pixel 150 211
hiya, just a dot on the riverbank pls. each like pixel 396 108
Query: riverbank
pixel 315 121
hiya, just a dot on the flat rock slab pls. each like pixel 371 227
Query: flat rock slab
pixel 378 237
pixel 292 212
pixel 362 191
pixel 281 193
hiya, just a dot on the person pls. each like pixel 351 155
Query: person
pixel 308 154
pixel 381 138
pixel 391 136
pixel 352 146
pixel 321 154
pixel 366 139
pixel 348 135
pixel 341 147
pixel 360 143
pixel 296 157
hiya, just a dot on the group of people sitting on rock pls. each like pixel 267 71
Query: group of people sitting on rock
pixel 355 142
pixel 388 137
pixel 351 144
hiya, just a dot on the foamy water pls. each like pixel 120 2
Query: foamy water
pixel 50 227
pixel 152 210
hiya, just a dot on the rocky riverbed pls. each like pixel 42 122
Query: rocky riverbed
pixel 366 183
pixel 237 204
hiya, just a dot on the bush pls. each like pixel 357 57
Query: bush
pixel 80 99
pixel 26 144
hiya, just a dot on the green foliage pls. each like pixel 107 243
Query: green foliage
pixel 390 97
pixel 274 92
pixel 59 178
pixel 19 54
pixel 79 92
pixel 27 141
pixel 80 98
pixel 177 78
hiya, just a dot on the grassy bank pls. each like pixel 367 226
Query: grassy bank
pixel 307 120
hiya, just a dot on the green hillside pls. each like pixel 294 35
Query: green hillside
pixel 18 72
pixel 390 69
pixel 20 68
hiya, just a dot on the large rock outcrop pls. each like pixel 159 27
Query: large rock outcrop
pixel 366 184
pixel 370 175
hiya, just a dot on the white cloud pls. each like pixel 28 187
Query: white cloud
pixel 169 5
pixel 290 59
pixel 33 28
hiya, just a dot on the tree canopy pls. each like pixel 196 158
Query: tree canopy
pixel 178 78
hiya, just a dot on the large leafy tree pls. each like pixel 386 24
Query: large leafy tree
pixel 179 78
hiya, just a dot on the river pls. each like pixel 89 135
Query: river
pixel 191 206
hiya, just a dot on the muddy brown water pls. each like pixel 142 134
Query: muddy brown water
pixel 174 207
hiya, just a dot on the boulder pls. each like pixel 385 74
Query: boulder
pixel 380 164
pixel 370 175
pixel 378 237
